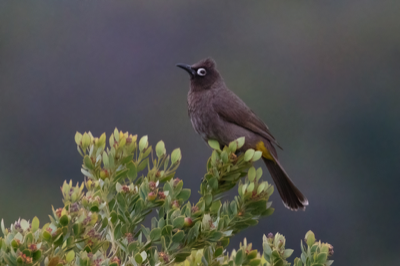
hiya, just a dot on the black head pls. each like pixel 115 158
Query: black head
pixel 202 74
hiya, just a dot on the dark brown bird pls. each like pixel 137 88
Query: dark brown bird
pixel 217 113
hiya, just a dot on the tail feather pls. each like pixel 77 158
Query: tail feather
pixel 292 198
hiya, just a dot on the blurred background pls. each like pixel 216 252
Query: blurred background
pixel 323 75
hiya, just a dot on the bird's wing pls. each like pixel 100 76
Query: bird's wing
pixel 232 109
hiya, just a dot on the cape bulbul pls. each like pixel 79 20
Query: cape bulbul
pixel 217 113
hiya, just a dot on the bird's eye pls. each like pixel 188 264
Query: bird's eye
pixel 201 72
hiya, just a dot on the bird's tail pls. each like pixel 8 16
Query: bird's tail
pixel 292 198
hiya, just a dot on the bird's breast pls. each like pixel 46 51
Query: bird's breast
pixel 202 114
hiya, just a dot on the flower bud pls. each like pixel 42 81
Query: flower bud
pixel 129 237
pixel 330 250
pixel 93 218
pixel 195 209
pixel 152 185
pixel 151 196
pixel 176 181
pixel 89 184
pixel 104 174
pixel 58 212
pixel 188 222
pixel 125 189
pixel 32 247
pixel 161 195
pixel 163 257
pixel 175 204
pixel 116 260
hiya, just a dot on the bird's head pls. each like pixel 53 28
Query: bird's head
pixel 203 75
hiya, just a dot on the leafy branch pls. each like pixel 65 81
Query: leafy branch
pixel 101 220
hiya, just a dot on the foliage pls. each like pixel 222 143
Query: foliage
pixel 124 183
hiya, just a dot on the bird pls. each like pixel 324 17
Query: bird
pixel 216 113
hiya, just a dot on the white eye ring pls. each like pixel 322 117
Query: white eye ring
pixel 201 72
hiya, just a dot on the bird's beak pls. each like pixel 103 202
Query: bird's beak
pixel 188 68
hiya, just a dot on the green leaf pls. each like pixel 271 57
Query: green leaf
pixel 248 155
pixel 104 223
pixel 215 236
pixel 208 199
pixel 78 138
pixel 233 207
pixel 88 162
pixel 167 187
pixel 132 247
pixel 121 201
pixel 184 194
pixel 250 188
pixel 132 172
pixel 27 252
pixel 143 143
pixel 178 236
pixel 114 217
pixel 85 140
pixel 259 173
pixel 310 238
pixel 322 257
pixel 268 212
pixel 270 190
pixel 257 156
pixel 105 160
pixel 287 253
pixel 46 235
pixel 143 165
pixel 251 174
pixel 255 262
pixel 233 146
pixel 213 183
pixel 160 149
pixel 167 230
pixel 155 234
pixel 297 262
pixel 218 251
pixel 36 255
pixel 138 258
pixel 261 188
pixel 239 257
pixel 28 239
pixel 214 144
pixel 3 229
pixel 178 186
pixel 120 174
pixel 180 257
pixel 240 142
pixel 35 224
pixel 215 206
pixel 24 224
pixel 70 256
pixel 144 255
pixel 224 157
pixel 178 222
pixel 116 134
pixel 111 158
pixel 64 220
pixel 76 228
pixel 176 156
pixel 117 232
pixel 111 140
